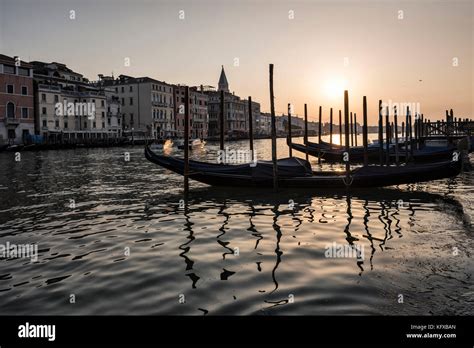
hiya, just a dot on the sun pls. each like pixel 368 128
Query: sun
pixel 335 87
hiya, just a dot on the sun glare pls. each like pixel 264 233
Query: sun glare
pixel 335 87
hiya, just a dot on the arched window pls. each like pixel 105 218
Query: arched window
pixel 10 110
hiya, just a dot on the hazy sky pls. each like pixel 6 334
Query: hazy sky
pixel 318 47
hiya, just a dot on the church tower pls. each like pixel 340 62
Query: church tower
pixel 223 84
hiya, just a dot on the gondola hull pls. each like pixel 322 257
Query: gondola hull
pixel 372 176
pixel 356 155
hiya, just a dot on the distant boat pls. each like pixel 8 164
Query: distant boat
pixel 167 144
pixel 297 173
pixel 194 143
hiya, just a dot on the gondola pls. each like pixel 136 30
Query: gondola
pixel 356 154
pixel 336 154
pixel 297 173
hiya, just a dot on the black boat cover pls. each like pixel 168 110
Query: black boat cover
pixel 287 168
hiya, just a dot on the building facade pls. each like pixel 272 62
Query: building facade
pixel 68 107
pixel 147 105
pixel 16 101
pixel 198 108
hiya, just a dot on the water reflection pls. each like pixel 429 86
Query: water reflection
pixel 367 205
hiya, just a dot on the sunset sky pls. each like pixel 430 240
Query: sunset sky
pixel 402 51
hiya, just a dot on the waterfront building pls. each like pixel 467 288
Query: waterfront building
pixel 16 100
pixel 147 105
pixel 199 118
pixel 68 108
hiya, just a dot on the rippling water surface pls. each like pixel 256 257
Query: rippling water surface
pixel 134 245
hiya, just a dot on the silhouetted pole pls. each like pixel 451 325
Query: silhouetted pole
pixel 290 153
pixel 330 127
pixel 395 119
pixel 221 121
pixel 387 135
pixel 352 130
pixel 380 133
pixel 320 130
pixel 306 129
pixel 355 128
pixel 251 128
pixel 186 140
pixel 340 128
pixel 411 136
pixel 346 130
pixel 364 131
pixel 407 133
pixel 403 130
pixel 273 121
pixel 416 130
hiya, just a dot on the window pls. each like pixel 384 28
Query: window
pixel 102 103
pixel 94 125
pixel 93 101
pixel 24 112
pixel 85 124
pixel 131 119
pixel 103 124
pixel 108 120
pixel 131 88
pixel 23 71
pixel 56 123
pixel 11 134
pixel 123 101
pixel 43 97
pixel 56 98
pixel 131 101
pixel 44 123
pixel 43 111
pixel 65 125
pixel 123 89
pixel 24 90
pixel 103 114
pixel 118 121
pixel 25 134
pixel 116 89
pixel 9 69
pixel 10 89
pixel 10 110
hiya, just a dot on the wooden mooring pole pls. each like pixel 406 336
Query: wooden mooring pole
pixel 273 123
pixel 387 135
pixel 380 133
pixel 306 129
pixel 395 121
pixel 290 152
pixel 365 131
pixel 186 140
pixel 221 121
pixel 340 128
pixel 251 129
pixel 355 128
pixel 330 127
pixel 352 130
pixel 346 130
pixel 320 129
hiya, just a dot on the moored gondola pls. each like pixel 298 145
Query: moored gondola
pixel 296 172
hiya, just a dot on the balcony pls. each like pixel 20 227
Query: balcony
pixel 10 121
pixel 161 104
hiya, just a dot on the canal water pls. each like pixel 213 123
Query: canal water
pixel 118 237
